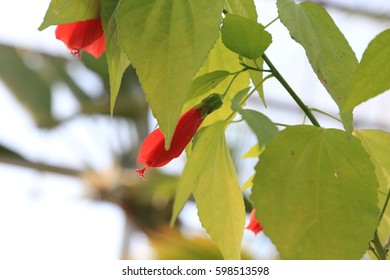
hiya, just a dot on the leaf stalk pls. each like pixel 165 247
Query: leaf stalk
pixel 292 93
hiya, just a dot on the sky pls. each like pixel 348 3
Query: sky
pixel 28 208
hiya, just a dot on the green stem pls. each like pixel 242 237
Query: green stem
pixel 384 206
pixel 387 245
pixel 254 89
pixel 324 113
pixel 249 94
pixel 380 251
pixel 247 67
pixel 296 98
pixel 232 80
pixel 372 249
pixel 272 21
pixel 282 124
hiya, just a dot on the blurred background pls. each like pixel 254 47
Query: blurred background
pixel 68 187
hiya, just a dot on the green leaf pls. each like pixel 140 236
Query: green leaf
pixel 254 152
pixel 221 58
pixel 116 59
pixel 27 85
pixel 260 124
pixel 210 175
pixel 167 42
pixel 372 74
pixel 245 8
pixel 315 192
pixel 237 99
pixel 248 183
pixel 377 144
pixel 329 53
pixel 244 36
pixel 206 82
pixel 67 11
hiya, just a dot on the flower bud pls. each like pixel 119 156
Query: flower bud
pixel 153 153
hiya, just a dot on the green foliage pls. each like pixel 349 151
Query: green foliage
pixel 257 76
pixel 315 189
pixel 221 58
pixel 68 11
pixel 244 36
pixel 210 175
pixel 329 53
pixel 245 8
pixel 372 74
pixel 315 192
pixel 206 83
pixel 166 69
pixel 260 124
pixel 376 143
pixel 116 59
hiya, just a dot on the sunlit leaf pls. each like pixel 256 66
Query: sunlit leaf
pixel 373 72
pixel 377 144
pixel 248 183
pixel 116 59
pixel 245 8
pixel 206 82
pixel 211 177
pixel 244 36
pixel 316 194
pixel 254 151
pixel 67 11
pixel 167 42
pixel 329 53
pixel 220 58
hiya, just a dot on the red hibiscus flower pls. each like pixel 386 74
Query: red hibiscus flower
pixel 254 225
pixel 85 35
pixel 153 153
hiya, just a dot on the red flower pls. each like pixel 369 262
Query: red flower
pixel 153 153
pixel 85 35
pixel 254 225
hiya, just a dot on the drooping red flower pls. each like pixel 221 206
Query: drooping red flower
pixel 153 152
pixel 254 225
pixel 85 35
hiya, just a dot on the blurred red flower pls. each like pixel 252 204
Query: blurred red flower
pixel 85 35
pixel 254 225
pixel 153 153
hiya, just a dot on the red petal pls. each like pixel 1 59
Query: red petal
pixel 152 144
pixel 254 225
pixel 153 153
pixel 186 128
pixel 83 35
pixel 96 48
